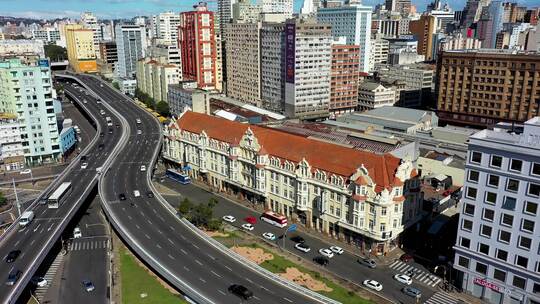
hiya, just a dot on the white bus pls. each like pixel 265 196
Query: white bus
pixel 59 195
pixel 109 121
pixel 275 219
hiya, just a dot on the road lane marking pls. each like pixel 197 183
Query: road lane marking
pixel 195 246
pixel 160 232
pixel 256 298
pixel 170 256
pixel 149 222
pixel 158 246
pixel 287 300
pixel 187 269
pixel 183 251
pixel 221 292
pixel 198 262
pixel 138 227
pixel 217 275
pixel 202 280
pixel 147 236
pixel 213 258
pixel 247 279
pixel 33 241
pixel 228 268
pixel 17 243
pixel 49 229
pixel 170 241
pixel 130 218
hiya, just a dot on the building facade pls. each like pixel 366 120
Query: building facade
pixel 80 49
pixel 154 78
pixel 423 30
pixel 497 242
pixel 11 147
pixel 131 46
pixel 344 75
pixel 166 27
pixel 108 52
pixel 483 87
pixel 372 95
pixel 272 66
pixel 365 198
pixel 9 48
pixel 47 34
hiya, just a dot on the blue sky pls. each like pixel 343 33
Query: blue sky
pixel 129 8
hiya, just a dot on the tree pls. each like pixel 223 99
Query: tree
pixel 116 85
pixel 55 52
pixel 163 108
pixel 185 207
pixel 3 199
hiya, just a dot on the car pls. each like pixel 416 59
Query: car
pixel 85 101
pixel 248 226
pixel 12 256
pixel 403 278
pixel 101 146
pixel 136 193
pixel 13 277
pixel 110 131
pixel 302 247
pixel 149 194
pixel 102 112
pixel 240 291
pixel 372 284
pixel 323 261
pixel 101 134
pixel 26 171
pixel 229 218
pixel 84 165
pixel 138 120
pixel 143 168
pixel 298 239
pixel 367 262
pixel 98 101
pixel 336 249
pixel 122 196
pixel 39 281
pixel 43 201
pixel 77 234
pixel 83 158
pixel 269 236
pixel 411 291
pixel 326 252
pixel 139 132
pixel 118 125
pixel 251 219
pixel 406 258
pixel 88 286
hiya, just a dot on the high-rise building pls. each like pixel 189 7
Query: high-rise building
pixel 169 54
pixel 272 66
pixel 307 69
pixel 352 21
pixel 80 49
pixel 109 52
pixel 26 91
pixel 166 27
pixel 11 147
pixel 154 77
pixel 89 21
pixel 242 45
pixel 379 51
pixel 497 257
pixel 225 8
pixel 196 40
pixel 9 48
pixel 418 80
pixel 401 6
pixel 131 46
pixel 482 87
pixel 47 34
pixel 423 30
pixel 344 74
pixel 282 7
pixel 246 12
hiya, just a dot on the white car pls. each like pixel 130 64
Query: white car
pixel 136 193
pixel 403 278
pixel 372 284
pixel 84 165
pixel 77 234
pixel 248 226
pixel 336 249
pixel 102 112
pixel 39 281
pixel 326 252
pixel 143 168
pixel 302 247
pixel 26 171
pixel 229 218
pixel 139 132
pixel 269 236
pixel 138 120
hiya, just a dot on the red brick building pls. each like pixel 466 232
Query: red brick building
pixel 197 43
pixel 344 75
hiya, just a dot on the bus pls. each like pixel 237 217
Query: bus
pixel 109 121
pixel 59 195
pixel 275 219
pixel 177 176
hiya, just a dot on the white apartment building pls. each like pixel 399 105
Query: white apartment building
pixel 354 22
pixel 166 53
pixel 308 52
pixel 166 28
pixel 131 46
pixel 498 240
pixel 460 42
pixel 10 48
pixel 373 95
pixel 272 67
pixel 154 77
pixel 47 34
pixel 365 198
pixel 282 7
pixel 11 148
pixel 379 51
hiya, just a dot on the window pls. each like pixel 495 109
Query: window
pixel 515 165
pixel 496 161
pixel 467 225
pixel 493 180
pixel 504 236
pixel 476 157
pixel 474 176
pixel 471 192
pixel 527 225
pixel 499 275
pixel 507 219
pixel 483 248
pixel 534 190
pixel 491 198
pixel 512 185
pixel 468 209
pixel 463 262
pixel 522 261
pixel 383 211
pixel 536 288
pixel 535 169
pixel 524 242
pixel 530 208
pixel 519 282
pixel 502 254
pixel 465 242
pixel 481 268
pixel 485 231
pixel 488 214
pixel 509 203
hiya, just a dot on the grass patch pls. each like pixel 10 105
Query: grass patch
pixel 136 280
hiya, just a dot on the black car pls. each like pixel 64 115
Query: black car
pixel 150 194
pixel 241 291
pixel 83 158
pixel 122 196
pixel 101 134
pixel 118 125
pixel 110 131
pixel 13 277
pixel 12 256
pixel 298 239
pixel 101 146
pixel 321 260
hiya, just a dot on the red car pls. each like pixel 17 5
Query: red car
pixel 406 258
pixel 251 219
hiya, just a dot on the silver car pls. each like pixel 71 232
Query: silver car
pixel 367 262
pixel 412 292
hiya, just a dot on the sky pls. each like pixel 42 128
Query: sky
pixel 129 8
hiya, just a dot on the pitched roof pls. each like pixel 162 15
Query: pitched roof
pixel 325 156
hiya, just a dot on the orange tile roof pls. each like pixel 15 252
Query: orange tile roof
pixel 321 155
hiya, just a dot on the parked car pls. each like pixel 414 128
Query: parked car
pixel 269 236
pixel 336 249
pixel 84 165
pixel 150 194
pixel 251 219
pixel 367 262
pixel 13 277
pixel 122 196
pixel 88 286
pixel 411 291
pixel 298 239
pixel 406 258
pixel 39 281
pixel 248 227
pixel 323 261
pixel 403 278
pixel 372 284
pixel 139 132
pixel 143 168
pixel 77 234
pixel 302 247
pixel 12 256
pixel 25 171
pixel 136 193
pixel 326 252
pixel 240 291
pixel 229 218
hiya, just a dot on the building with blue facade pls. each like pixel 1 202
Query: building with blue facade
pixel 68 138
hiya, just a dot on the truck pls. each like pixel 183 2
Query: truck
pixel 26 218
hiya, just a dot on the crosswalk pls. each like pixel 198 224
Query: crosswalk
pixel 417 274
pixel 442 298
pixel 88 244
pixel 49 276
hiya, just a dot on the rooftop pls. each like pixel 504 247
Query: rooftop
pixel 524 135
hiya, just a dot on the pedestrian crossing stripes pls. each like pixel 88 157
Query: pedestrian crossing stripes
pixel 49 276
pixel 88 245
pixel 416 274
pixel 442 298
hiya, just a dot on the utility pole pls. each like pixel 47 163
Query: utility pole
pixel 16 196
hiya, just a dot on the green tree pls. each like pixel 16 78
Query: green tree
pixel 116 85
pixel 185 207
pixel 3 199
pixel 55 52
pixel 163 108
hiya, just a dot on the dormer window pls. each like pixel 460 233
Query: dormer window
pixel 361 190
pixel 397 191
